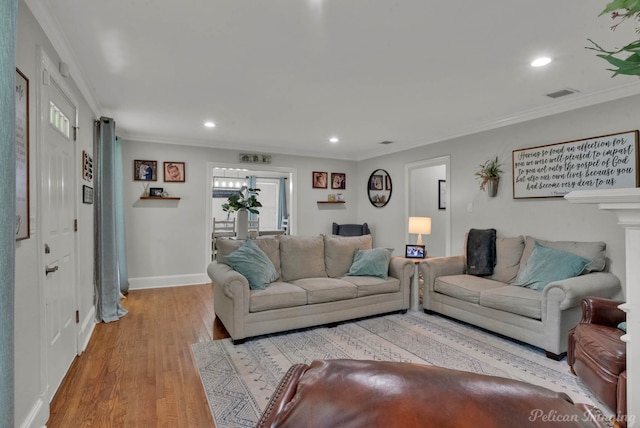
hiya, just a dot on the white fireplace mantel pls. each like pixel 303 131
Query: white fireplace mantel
pixel 625 204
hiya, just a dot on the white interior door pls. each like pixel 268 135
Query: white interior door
pixel 58 208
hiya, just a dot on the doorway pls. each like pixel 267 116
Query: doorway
pixel 428 195
pixel 266 179
pixel 57 240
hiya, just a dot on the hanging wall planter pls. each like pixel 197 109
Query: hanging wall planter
pixel 489 176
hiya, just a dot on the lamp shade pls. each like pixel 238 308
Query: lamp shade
pixel 420 225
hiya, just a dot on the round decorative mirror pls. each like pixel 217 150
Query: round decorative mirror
pixel 379 188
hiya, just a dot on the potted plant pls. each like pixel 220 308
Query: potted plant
pixel 489 176
pixel 245 201
pixel 622 10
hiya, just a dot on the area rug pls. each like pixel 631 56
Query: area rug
pixel 239 380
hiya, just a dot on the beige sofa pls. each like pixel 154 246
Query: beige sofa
pixel 312 288
pixel 540 318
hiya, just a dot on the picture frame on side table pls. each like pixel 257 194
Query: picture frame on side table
pixel 415 251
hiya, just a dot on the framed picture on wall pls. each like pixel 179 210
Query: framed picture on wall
pixel 174 172
pixel 319 180
pixel 338 180
pixel 145 170
pixel 22 157
pixel 442 194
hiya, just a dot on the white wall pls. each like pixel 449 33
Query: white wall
pixel 31 403
pixel 553 219
pixel 166 241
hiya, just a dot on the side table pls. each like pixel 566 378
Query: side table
pixel 414 304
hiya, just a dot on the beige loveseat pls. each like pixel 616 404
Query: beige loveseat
pixel 312 288
pixel 540 318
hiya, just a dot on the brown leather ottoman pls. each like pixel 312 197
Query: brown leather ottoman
pixel 356 393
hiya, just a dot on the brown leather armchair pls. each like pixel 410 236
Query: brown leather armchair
pixel 598 356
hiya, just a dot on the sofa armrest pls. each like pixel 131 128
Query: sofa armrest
pixel 434 267
pixel 232 282
pixel 596 310
pixel 573 290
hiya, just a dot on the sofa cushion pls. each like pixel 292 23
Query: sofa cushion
pixel 321 290
pixel 594 251
pixel 374 262
pixel 514 299
pixel 339 251
pixel 464 287
pixel 302 257
pixel 508 255
pixel 253 264
pixel 269 244
pixel 369 285
pixel 546 265
pixel 278 295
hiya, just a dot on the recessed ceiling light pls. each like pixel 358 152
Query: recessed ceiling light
pixel 334 140
pixel 540 62
pixel 209 124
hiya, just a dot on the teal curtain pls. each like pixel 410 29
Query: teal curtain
pixel 108 230
pixel 8 18
pixel 252 185
pixel 121 243
pixel 282 201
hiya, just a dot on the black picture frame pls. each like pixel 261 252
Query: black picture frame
pixel 442 194
pixel 156 192
pixel 415 251
pixel 87 194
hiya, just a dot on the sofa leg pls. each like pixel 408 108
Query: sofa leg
pixel 556 357
pixel 428 312
pixel 238 341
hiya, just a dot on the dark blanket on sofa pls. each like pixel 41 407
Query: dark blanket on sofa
pixel 481 251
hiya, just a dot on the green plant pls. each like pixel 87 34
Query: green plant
pixel 622 10
pixel 245 198
pixel 490 170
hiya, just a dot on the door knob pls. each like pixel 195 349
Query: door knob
pixel 48 270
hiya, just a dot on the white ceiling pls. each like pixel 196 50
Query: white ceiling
pixel 282 76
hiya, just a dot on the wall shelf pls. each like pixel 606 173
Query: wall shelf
pixel 158 198
pixel 331 202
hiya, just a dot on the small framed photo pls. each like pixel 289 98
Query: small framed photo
pixel 87 194
pixel 387 182
pixel 376 182
pixel 174 172
pixel 319 180
pixel 442 194
pixel 414 251
pixel 145 170
pixel 338 180
pixel 156 192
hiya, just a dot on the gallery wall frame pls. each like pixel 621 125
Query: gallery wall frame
pixel 338 180
pixel 145 170
pixel 174 172
pixel 319 179
pixel 87 194
pixel 442 194
pixel 553 170
pixel 23 225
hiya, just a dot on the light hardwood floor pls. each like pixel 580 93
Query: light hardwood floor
pixel 139 371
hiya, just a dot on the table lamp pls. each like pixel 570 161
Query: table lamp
pixel 420 225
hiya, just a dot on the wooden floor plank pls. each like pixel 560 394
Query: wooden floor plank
pixel 139 371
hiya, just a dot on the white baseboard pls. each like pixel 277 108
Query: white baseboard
pixel 86 329
pixel 38 416
pixel 168 281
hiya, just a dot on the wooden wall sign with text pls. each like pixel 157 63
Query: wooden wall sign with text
pixel 552 171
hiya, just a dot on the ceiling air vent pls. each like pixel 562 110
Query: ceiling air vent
pixel 386 142
pixel 562 93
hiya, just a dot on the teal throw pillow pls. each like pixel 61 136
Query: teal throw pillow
pixel 547 264
pixel 250 261
pixel 373 262
pixel 623 326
